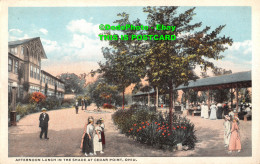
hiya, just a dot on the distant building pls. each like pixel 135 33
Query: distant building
pixel 24 68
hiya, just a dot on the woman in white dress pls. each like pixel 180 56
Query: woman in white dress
pixel 227 130
pixel 213 112
pixel 97 138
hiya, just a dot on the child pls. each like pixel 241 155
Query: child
pixel 97 139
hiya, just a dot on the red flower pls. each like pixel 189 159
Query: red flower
pixel 177 126
pixel 134 124
pixel 167 124
pixel 146 121
pixel 169 134
pixel 174 128
pixel 131 129
pixel 143 126
pixel 163 134
pixel 155 122
pixel 167 127
pixel 184 127
pixel 142 122
pixel 148 124
pixel 164 131
pixel 163 122
pixel 159 124
pixel 137 130
pixel 140 128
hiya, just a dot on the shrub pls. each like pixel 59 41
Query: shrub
pixel 107 106
pixel 50 102
pixel 26 109
pixel 149 127
pixel 37 97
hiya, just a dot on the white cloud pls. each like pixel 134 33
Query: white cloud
pixel 245 47
pixel 13 38
pixel 15 31
pixel 83 27
pixel 44 31
pixel 50 46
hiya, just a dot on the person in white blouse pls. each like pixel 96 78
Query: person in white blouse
pixel 97 142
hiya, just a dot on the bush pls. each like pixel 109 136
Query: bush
pixel 149 127
pixel 107 106
pixel 37 97
pixel 51 102
pixel 26 109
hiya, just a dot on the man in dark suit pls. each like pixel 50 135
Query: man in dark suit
pixel 44 119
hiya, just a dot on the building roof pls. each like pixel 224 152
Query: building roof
pixel 19 42
pixel 239 77
pixel 23 41
pixel 44 72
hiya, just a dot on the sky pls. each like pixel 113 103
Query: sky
pixel 70 34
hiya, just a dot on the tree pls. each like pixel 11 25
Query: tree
pixel 172 62
pixel 124 64
pixel 101 92
pixel 72 82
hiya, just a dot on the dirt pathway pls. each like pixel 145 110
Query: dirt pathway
pixel 66 129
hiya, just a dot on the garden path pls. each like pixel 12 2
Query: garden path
pixel 66 129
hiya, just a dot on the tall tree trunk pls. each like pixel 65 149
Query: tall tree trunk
pixel 123 105
pixel 171 105
pixel 148 99
pixel 156 99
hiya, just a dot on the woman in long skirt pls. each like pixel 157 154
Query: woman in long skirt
pixel 87 143
pixel 213 112
pixel 103 133
pixel 97 138
pixel 235 143
pixel 227 129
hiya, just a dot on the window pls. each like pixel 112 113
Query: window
pixel 34 72
pixel 14 50
pixel 10 65
pixel 16 67
pixel 22 49
pixel 31 72
pixel 38 74
pixel 9 87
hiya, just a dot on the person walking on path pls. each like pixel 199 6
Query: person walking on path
pixel 82 104
pixel 103 133
pixel 85 103
pixel 77 106
pixel 44 119
pixel 219 111
pixel 235 143
pixel 87 142
pixel 227 130
pixel 213 112
pixel 97 141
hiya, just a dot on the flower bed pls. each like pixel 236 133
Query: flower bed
pixel 108 106
pixel 153 128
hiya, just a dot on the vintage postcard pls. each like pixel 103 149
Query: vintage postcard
pixel 129 82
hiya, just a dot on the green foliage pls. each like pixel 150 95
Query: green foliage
pixel 72 82
pixel 50 103
pixel 25 109
pixel 152 128
pixel 26 86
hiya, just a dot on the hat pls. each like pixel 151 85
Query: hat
pixel 90 120
pixel 44 109
pixel 101 119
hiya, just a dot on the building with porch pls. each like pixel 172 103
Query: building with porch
pixel 25 69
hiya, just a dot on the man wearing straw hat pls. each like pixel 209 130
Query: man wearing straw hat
pixel 44 119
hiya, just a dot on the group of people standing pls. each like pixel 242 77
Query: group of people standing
pixel 231 133
pixel 83 105
pixel 93 138
pixel 217 111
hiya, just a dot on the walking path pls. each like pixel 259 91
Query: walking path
pixel 66 129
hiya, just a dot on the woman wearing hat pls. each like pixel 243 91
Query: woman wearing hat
pixel 227 129
pixel 87 138
pixel 213 111
pixel 97 142
pixel 235 143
